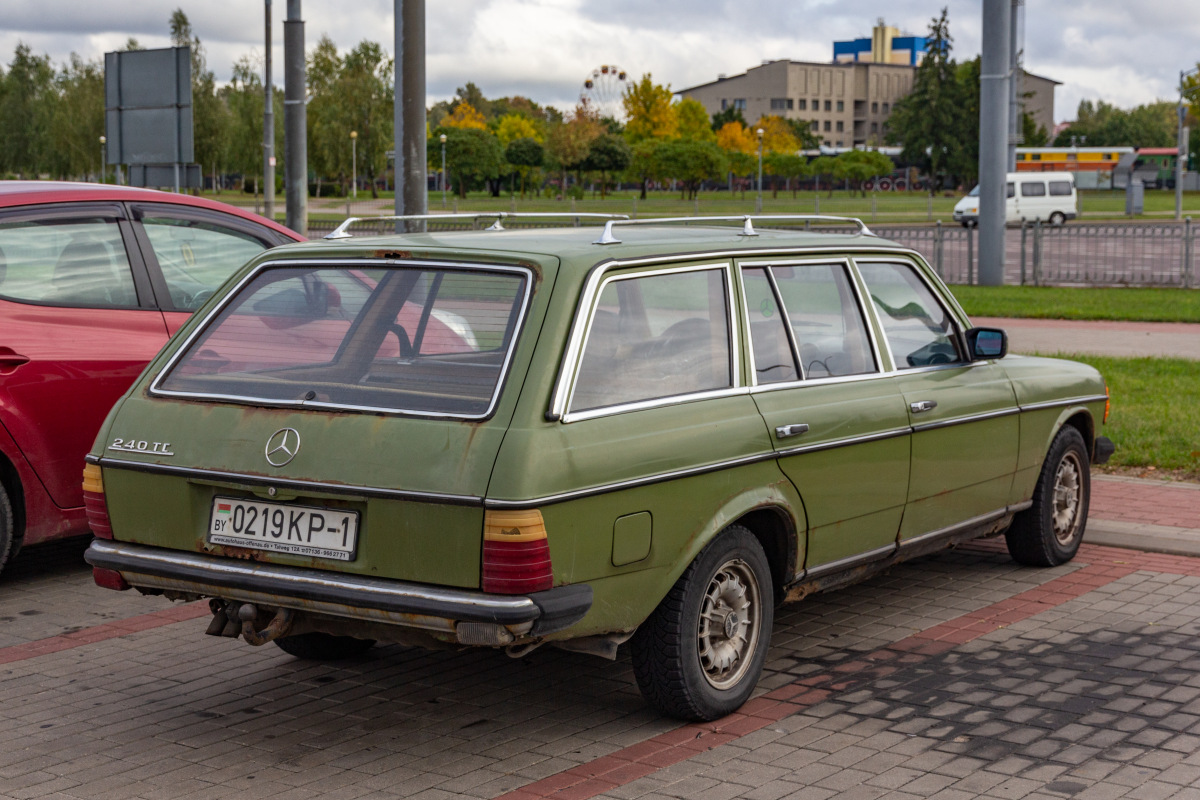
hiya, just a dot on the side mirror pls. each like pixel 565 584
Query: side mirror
pixel 985 344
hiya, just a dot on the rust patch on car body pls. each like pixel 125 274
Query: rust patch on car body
pixel 392 254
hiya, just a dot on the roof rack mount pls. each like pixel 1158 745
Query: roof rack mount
pixel 747 220
pixel 340 231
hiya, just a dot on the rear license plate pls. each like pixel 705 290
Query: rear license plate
pixel 282 528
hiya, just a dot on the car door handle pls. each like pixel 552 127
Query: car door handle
pixel 923 405
pixel 10 359
pixel 784 431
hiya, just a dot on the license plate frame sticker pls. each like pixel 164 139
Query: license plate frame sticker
pixel 317 531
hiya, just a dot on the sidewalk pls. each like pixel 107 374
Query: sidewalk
pixel 1049 336
pixel 1152 515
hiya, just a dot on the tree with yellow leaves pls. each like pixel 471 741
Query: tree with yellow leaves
pixel 777 135
pixel 464 115
pixel 693 122
pixel 511 127
pixel 649 111
pixel 735 137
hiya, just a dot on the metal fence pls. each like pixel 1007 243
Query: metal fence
pixel 1076 254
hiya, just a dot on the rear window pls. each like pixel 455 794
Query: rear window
pixel 1060 188
pixel 1033 190
pixel 430 341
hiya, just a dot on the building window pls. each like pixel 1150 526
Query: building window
pixel 839 143
pixel 802 104
pixel 724 103
pixel 816 105
pixel 781 104
pixel 828 105
pixel 816 125
pixel 874 108
pixel 841 106
pixel 841 126
pixel 827 126
pixel 740 104
pixel 874 127
pixel 885 108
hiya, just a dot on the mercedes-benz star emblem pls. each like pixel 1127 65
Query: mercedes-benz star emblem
pixel 282 447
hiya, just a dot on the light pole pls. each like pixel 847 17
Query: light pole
pixel 103 153
pixel 442 177
pixel 354 164
pixel 1181 142
pixel 758 201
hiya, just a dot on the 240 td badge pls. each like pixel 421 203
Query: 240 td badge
pixel 142 446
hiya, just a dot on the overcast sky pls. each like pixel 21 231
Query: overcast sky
pixel 1123 52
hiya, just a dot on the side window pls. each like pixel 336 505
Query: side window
pixel 656 336
pixel 79 262
pixel 1010 190
pixel 828 325
pixel 1060 188
pixel 919 331
pixel 774 360
pixel 196 257
pixel 1033 189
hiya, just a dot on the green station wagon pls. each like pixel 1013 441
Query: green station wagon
pixel 653 432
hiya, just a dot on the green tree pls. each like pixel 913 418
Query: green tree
pixel 860 166
pixel 693 121
pixel 77 118
pixel 1032 134
pixel 243 100
pixel 210 121
pixel 1101 124
pixel 568 144
pixel 365 90
pixel 730 114
pixel 607 153
pixel 644 163
pixel 27 109
pixel 473 157
pixel 963 163
pixel 786 166
pixel 691 162
pixel 526 154
pixel 927 122
pixel 823 167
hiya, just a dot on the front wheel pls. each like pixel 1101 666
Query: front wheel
pixel 1049 532
pixel 699 655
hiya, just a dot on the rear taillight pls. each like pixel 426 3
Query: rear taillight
pixel 94 503
pixel 1107 403
pixel 516 555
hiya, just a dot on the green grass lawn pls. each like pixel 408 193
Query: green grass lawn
pixel 1155 419
pixel 880 208
pixel 1116 303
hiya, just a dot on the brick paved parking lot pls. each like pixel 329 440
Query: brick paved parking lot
pixel 956 676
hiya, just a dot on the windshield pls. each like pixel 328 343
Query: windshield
pixel 430 341
pixel 974 192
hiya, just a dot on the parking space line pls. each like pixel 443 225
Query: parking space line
pixel 1104 565
pixel 103 632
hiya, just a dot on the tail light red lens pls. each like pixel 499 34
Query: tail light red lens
pixel 94 503
pixel 516 554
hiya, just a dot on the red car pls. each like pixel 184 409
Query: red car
pixel 93 280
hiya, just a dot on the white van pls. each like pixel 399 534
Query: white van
pixel 1047 196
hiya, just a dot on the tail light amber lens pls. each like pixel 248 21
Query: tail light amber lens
pixel 516 554
pixel 1107 403
pixel 94 503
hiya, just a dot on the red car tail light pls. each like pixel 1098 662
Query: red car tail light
pixel 109 579
pixel 94 503
pixel 516 553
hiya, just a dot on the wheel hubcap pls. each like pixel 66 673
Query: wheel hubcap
pixel 729 624
pixel 1068 492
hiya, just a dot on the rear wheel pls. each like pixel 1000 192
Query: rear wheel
pixel 9 544
pixel 700 653
pixel 1049 532
pixel 1058 218
pixel 323 646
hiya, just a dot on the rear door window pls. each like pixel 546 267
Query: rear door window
pixel 66 262
pixel 1033 189
pixel 656 336
pixel 431 341
pixel 1060 188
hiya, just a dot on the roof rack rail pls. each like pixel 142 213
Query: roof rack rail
pixel 746 219
pixel 340 231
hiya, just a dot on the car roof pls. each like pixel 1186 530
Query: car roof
pixel 30 193
pixel 579 244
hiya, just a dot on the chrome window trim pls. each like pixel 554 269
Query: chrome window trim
pixel 245 479
pixel 204 324
pixel 579 323
pixel 750 361
pixel 593 292
pixel 939 293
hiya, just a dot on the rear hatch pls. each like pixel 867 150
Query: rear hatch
pixel 338 415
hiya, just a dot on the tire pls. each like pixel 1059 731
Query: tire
pixel 697 668
pixel 1049 532
pixel 1058 219
pixel 323 646
pixel 9 543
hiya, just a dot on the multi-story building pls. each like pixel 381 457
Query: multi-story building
pixel 847 103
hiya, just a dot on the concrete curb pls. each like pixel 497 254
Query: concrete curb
pixel 1140 536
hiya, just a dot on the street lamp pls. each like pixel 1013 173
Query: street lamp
pixel 103 153
pixel 354 164
pixel 1182 144
pixel 758 202
pixel 442 177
